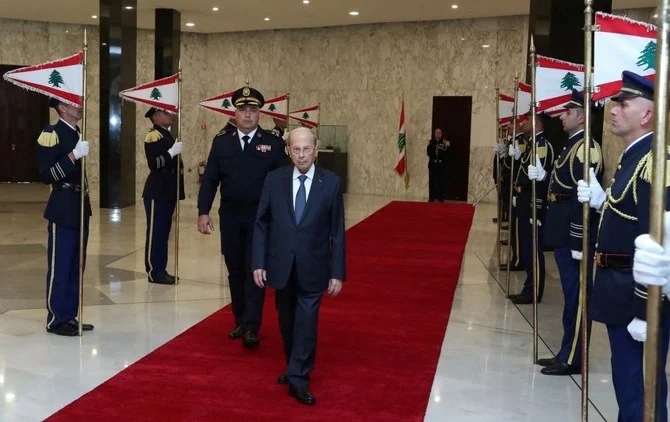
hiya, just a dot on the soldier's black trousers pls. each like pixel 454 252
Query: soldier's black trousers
pixel 159 222
pixel 247 299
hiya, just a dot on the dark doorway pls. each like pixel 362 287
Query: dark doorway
pixel 453 116
pixel 24 115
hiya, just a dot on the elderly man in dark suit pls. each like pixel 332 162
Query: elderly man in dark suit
pixel 298 249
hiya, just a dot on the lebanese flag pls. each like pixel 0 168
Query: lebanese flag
pixel 62 79
pixel 621 44
pixel 220 103
pixel 401 167
pixel 505 108
pixel 555 80
pixel 506 105
pixel 523 100
pixel 308 116
pixel 162 94
pixel 276 107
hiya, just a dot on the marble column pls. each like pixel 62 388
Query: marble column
pixel 118 47
pixel 167 42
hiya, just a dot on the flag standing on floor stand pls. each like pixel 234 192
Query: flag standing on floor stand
pixel 401 166
pixel 533 111
pixel 82 199
pixel 498 174
pixel 652 349
pixel 586 207
pixel 164 94
pixel 511 186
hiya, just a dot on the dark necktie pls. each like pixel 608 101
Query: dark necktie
pixel 245 138
pixel 300 199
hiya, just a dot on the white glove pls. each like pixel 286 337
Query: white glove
pixel 514 152
pixel 537 172
pixel 591 192
pixel 500 148
pixel 514 201
pixel 638 329
pixel 578 255
pixel 539 223
pixel 651 263
pixel 81 149
pixel 176 149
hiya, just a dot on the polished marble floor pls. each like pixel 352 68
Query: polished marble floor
pixel 485 371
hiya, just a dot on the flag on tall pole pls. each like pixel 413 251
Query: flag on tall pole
pixel 308 116
pixel 621 44
pixel 276 107
pixel 162 93
pixel 62 79
pixel 555 80
pixel 221 103
pixel 401 166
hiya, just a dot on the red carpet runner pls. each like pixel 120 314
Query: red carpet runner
pixel 379 341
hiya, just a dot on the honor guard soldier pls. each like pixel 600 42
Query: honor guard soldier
pixel 516 150
pixel 160 193
pixel 523 186
pixel 499 160
pixel 564 230
pixel 437 161
pixel 239 161
pixel 616 299
pixel 59 150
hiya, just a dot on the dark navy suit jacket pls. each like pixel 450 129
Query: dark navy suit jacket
pixel 316 245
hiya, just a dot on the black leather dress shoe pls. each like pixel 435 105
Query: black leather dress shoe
pixel 171 277
pixel 524 300
pixel 84 327
pixel 302 395
pixel 251 340
pixel 504 242
pixel 162 280
pixel 547 361
pixel 516 296
pixel 560 368
pixel 236 334
pixel 282 379
pixel 64 330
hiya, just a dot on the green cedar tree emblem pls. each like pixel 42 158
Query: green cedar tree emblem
pixel 55 79
pixel 648 56
pixel 569 81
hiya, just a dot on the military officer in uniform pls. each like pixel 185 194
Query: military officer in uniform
pixel 160 193
pixel 437 160
pixel 516 150
pixel 564 231
pixel 616 300
pixel 59 150
pixel 239 161
pixel 523 187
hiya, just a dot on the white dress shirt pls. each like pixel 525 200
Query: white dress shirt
pixel 71 127
pixel 250 135
pixel 296 182
pixel 636 141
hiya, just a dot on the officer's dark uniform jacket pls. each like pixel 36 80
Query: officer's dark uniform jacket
pixel 437 153
pixel 241 173
pixel 616 298
pixel 161 183
pixel 523 185
pixel 563 223
pixel 57 169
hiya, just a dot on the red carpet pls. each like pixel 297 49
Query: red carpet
pixel 378 346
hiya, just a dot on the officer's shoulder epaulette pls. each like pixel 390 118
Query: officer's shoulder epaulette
pixel 48 137
pixel 153 136
pixel 595 154
pixel 225 131
pixel 270 134
pixel 646 172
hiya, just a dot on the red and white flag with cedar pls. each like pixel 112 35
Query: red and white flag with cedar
pixel 308 116
pixel 621 44
pixel 401 167
pixel 276 107
pixel 62 79
pixel 555 80
pixel 506 105
pixel 162 94
pixel 221 103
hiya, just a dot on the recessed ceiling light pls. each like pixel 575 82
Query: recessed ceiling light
pixel 305 1
pixel 454 6
pixel 94 16
pixel 190 24
pixel 354 13
pixel 129 7
pixel 216 9
pixel 486 45
pixel 266 19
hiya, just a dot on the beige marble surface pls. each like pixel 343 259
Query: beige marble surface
pixel 358 73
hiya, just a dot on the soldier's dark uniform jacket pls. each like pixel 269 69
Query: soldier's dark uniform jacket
pixel 241 173
pixel 523 185
pixel 616 298
pixel 564 216
pixel 162 181
pixel 57 169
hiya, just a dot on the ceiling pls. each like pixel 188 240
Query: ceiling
pixel 246 15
